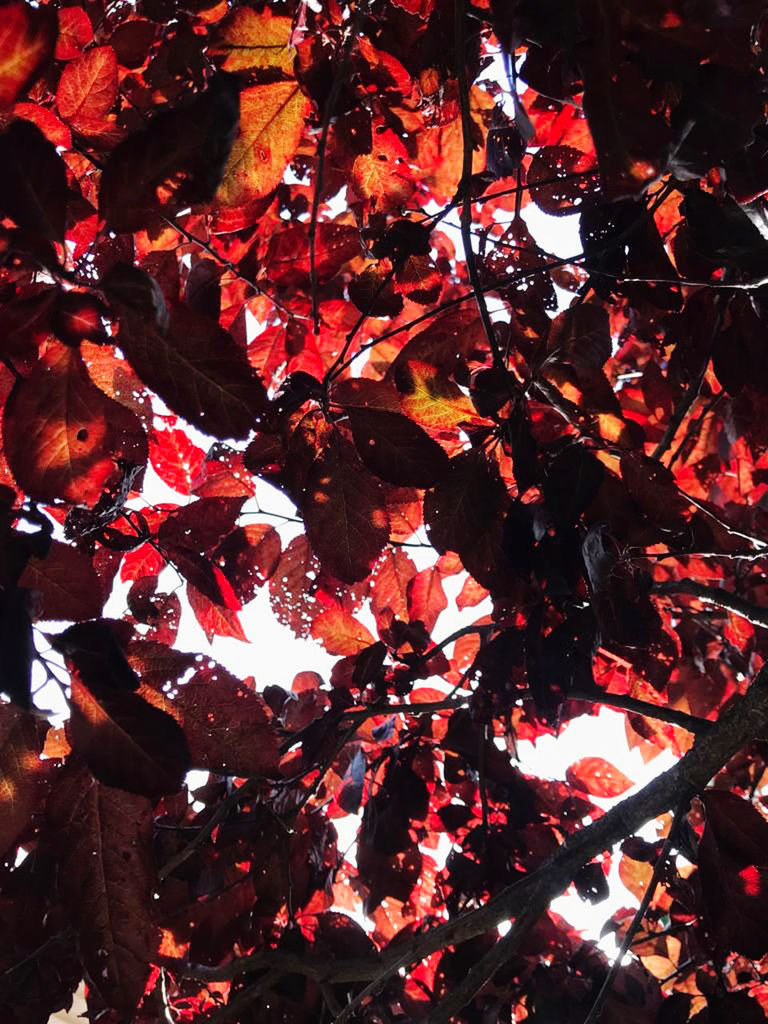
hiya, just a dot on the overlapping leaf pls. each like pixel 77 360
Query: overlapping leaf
pixel 63 436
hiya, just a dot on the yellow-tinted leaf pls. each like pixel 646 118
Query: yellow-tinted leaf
pixel 383 177
pixel 252 40
pixel 27 40
pixel 62 434
pixel 272 120
pixel 433 399
pixel 340 633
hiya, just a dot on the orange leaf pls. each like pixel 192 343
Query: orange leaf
pixel 383 177
pixel 340 633
pixel 598 777
pixel 27 41
pixel 88 86
pixel 251 40
pixel 272 119
pixel 62 434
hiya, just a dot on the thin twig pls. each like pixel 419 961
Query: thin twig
pixel 623 702
pixel 465 184
pixel 594 1014
pixel 218 816
pixel 329 109
pixel 691 393
pixel 717 596
pixel 734 730
pixel 728 527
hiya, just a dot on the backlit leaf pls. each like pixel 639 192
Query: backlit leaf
pixel 432 399
pixel 272 118
pixel 103 843
pixel 88 87
pixel 598 777
pixel 27 40
pixel 63 435
pixel 214 617
pixel 255 40
pixel 345 514
pixel 196 368
pixel 68 586
pixel 383 177
pixel 340 633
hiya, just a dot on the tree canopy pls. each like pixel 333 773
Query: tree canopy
pixel 298 244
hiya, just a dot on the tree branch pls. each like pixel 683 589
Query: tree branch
pixel 594 1014
pixel 623 702
pixel 734 730
pixel 716 596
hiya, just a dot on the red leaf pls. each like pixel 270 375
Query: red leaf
pixel 23 773
pixel 196 368
pixel 249 557
pixel 345 514
pixel 63 435
pixel 200 525
pixel 390 586
pixel 88 87
pixel 75 32
pixel 426 597
pixel 397 449
pixel 733 865
pixel 175 458
pixel 67 583
pixel 103 842
pixel 598 777
pixel 226 724
pixel 126 742
pixel 293 585
pixel 27 40
pixel 215 618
